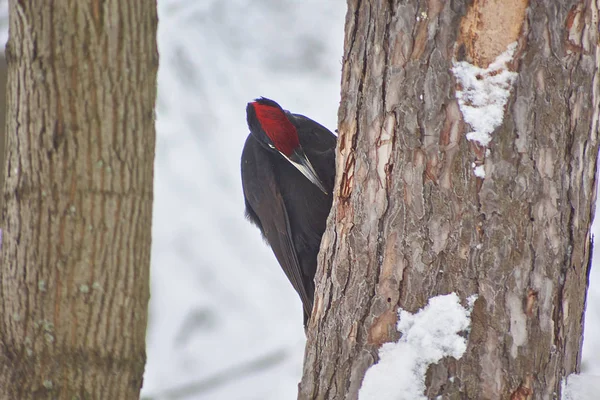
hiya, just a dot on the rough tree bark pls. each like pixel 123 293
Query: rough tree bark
pixel 3 75
pixel 410 220
pixel 74 278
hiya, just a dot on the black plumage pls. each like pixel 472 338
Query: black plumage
pixel 290 210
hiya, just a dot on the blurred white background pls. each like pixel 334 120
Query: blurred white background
pixel 224 322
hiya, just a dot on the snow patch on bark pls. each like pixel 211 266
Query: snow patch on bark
pixel 479 171
pixel 482 95
pixel 427 336
pixel 580 387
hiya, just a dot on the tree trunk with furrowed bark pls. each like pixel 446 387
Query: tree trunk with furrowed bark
pixel 410 219
pixel 74 275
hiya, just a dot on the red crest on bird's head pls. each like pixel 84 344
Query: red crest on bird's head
pixel 275 124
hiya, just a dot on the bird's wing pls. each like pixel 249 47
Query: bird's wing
pixel 265 207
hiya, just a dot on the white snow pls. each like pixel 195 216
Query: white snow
pixel 482 96
pixel 581 387
pixel 479 171
pixel 427 336
pixel 484 93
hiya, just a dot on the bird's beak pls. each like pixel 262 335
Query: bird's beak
pixel 300 161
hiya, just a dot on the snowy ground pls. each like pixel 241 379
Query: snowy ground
pixel 224 323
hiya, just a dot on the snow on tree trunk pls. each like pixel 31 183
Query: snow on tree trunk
pixel 74 278
pixel 424 208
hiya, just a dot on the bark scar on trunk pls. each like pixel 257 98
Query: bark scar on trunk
pixel 488 28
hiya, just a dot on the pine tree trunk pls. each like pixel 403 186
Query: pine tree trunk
pixel 410 219
pixel 74 280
